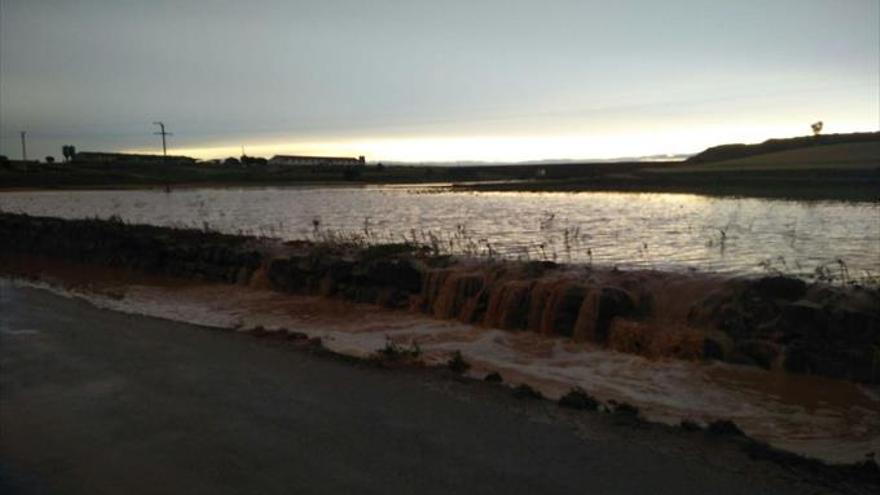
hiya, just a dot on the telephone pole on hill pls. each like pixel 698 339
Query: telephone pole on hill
pixel 24 146
pixel 163 134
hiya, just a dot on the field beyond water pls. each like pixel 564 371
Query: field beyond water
pixel 657 344
pixel 834 167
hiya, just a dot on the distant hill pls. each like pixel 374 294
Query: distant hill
pixel 727 152
pixel 843 156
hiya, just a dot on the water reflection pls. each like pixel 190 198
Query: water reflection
pixel 645 230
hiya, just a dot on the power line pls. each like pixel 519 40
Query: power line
pixel 163 134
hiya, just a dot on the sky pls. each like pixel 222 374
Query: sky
pixel 426 81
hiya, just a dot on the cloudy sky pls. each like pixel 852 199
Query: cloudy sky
pixel 433 80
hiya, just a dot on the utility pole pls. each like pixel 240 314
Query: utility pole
pixel 24 146
pixel 163 134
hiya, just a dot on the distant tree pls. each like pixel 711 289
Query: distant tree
pixel 380 166
pixel 50 159
pixel 231 162
pixel 817 128
pixel 68 150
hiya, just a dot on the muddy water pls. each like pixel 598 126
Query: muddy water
pixel 637 230
pixel 828 419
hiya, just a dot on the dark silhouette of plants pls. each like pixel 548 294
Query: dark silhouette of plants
pixel 457 363
pixel 578 398
pixel 69 151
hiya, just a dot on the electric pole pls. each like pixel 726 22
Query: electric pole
pixel 24 146
pixel 163 134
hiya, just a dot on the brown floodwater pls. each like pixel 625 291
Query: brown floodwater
pixel 833 420
pixel 634 230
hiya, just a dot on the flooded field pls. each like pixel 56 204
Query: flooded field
pixel 834 420
pixel 663 231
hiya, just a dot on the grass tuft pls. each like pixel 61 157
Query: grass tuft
pixel 457 363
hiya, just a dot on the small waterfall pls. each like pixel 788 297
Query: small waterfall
pixel 638 312
pixel 508 304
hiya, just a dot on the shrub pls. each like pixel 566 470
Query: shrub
pixel 524 391
pixel 493 377
pixel 393 352
pixel 578 398
pixel 457 363
pixel 725 427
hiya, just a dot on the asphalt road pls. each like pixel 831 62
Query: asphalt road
pixel 94 402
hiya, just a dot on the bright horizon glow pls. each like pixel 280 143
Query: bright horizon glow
pixel 505 149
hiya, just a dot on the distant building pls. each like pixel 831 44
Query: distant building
pixel 100 157
pixel 292 160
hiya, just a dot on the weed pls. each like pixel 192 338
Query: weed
pixel 393 352
pixel 457 363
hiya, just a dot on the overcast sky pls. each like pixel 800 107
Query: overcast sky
pixel 433 80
